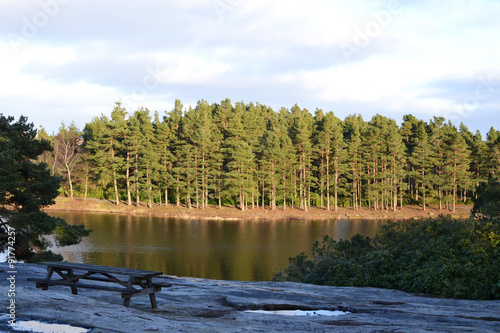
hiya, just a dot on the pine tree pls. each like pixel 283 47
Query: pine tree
pixel 386 144
pixel 104 147
pixel 162 147
pixel 477 148
pixel 353 130
pixel 26 187
pixel 436 138
pixel 148 160
pixel 189 158
pixel 321 146
pixel 221 113
pixel 421 162
pixel 254 126
pixel 239 156
pixel 373 149
pixel 270 160
pixel 330 145
pixel 302 130
pixel 216 166
pixel 409 130
pixel 395 149
pixel 174 120
pixel 203 139
pixel 121 132
pixel 493 153
pixel 134 144
pixel 458 160
pixel 287 157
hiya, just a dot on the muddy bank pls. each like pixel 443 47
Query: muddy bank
pixel 200 305
pixel 229 212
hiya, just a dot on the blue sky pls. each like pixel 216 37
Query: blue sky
pixel 70 60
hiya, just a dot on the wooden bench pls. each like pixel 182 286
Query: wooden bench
pixel 129 282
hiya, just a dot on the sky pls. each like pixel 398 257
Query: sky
pixel 71 60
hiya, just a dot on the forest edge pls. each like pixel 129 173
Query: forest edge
pixel 232 213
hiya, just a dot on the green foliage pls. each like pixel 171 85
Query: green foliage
pixel 25 188
pixel 487 202
pixel 46 256
pixel 69 234
pixel 442 256
pixel 251 155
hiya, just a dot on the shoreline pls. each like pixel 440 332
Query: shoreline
pixel 231 213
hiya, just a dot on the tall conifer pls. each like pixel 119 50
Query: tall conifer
pixel 458 160
pixel 162 147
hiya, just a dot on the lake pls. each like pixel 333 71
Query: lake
pixel 213 249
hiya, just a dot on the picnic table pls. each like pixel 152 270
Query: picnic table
pixel 130 282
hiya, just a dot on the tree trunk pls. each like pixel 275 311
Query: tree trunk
pixel 327 183
pixel 423 193
pixel 177 194
pixel 127 179
pixel 284 192
pixel 454 191
pixel 336 189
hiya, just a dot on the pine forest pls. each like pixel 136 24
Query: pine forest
pixel 251 156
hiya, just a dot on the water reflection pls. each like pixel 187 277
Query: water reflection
pixel 229 250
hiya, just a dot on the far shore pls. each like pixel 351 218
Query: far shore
pixel 232 213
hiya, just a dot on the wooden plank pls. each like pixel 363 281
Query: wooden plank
pixel 103 269
pixel 74 291
pixel 162 284
pixel 148 290
pixel 46 282
pixel 98 278
pixel 152 299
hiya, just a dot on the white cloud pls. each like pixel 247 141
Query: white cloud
pixel 421 57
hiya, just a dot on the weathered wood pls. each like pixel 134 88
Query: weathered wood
pixel 162 284
pixel 136 277
pixel 137 292
pixel 104 269
pixel 44 282
pixel 152 296
pixel 72 277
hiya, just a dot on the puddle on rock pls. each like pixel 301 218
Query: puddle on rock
pixel 41 327
pixel 297 313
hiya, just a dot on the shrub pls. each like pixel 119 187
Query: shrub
pixel 443 256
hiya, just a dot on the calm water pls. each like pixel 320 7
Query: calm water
pixel 228 250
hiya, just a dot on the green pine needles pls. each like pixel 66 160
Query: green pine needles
pixel 251 156
pixel 26 186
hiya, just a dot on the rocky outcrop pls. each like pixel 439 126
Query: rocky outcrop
pixel 199 305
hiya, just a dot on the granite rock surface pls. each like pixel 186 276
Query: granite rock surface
pixel 201 305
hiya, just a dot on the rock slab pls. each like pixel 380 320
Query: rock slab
pixel 201 305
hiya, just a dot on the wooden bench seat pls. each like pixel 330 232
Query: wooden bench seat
pixel 162 284
pixel 41 283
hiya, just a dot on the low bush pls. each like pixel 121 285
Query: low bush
pixel 442 256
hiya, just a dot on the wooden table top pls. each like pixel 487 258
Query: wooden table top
pixel 103 269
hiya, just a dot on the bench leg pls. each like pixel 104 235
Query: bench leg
pixel 126 301
pixel 50 271
pixel 44 286
pixel 152 298
pixel 74 291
